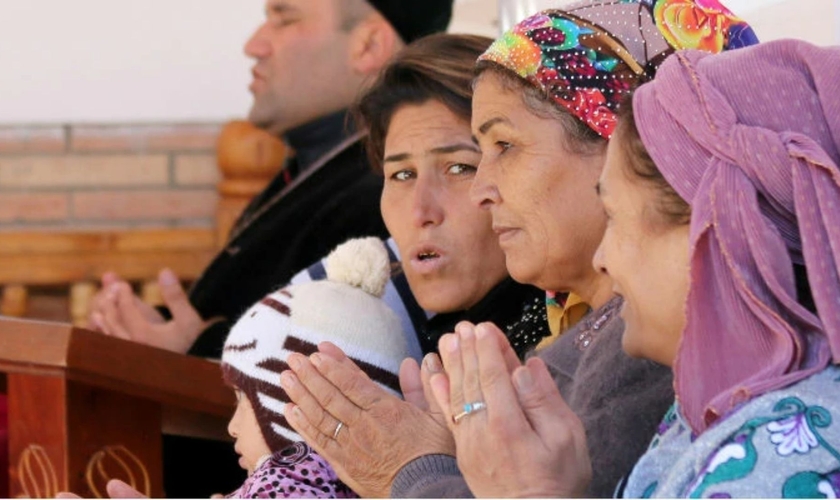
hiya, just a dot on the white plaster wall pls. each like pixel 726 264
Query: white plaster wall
pixel 124 60
pixel 181 60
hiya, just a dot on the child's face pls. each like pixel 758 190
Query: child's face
pixel 243 427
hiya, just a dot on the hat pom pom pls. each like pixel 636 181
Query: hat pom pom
pixel 362 263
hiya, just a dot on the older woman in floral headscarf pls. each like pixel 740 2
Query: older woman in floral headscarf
pixel 543 109
pixel 728 197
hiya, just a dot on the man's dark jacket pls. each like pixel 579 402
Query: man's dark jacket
pixel 280 233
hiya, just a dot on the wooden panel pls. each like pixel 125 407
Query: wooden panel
pixel 66 436
pixel 36 343
pixel 62 258
pixel 112 436
pixel 93 241
pixel 37 436
pixel 172 379
pixel 84 407
pixel 70 268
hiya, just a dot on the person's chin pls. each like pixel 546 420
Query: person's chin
pixel 631 342
pixel 520 266
pixel 437 297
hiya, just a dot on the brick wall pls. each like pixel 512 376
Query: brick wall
pixel 107 176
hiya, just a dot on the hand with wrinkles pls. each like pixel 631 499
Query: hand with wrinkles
pixel 539 445
pixel 380 432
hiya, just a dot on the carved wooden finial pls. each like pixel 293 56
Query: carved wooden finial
pixel 248 158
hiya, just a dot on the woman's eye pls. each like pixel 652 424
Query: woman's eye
pixel 503 146
pixel 461 169
pixel 402 175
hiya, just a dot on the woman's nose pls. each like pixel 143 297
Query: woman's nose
pixel 427 209
pixel 484 192
pixel 598 261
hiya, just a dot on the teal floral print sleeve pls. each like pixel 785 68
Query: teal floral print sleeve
pixel 783 444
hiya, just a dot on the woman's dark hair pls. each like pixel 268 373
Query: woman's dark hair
pixel 438 67
pixel 580 138
pixel 640 165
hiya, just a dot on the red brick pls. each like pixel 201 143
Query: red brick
pixel 31 139
pixel 143 138
pixel 35 207
pixel 196 170
pixel 165 205
pixel 84 171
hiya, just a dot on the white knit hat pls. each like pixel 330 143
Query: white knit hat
pixel 345 309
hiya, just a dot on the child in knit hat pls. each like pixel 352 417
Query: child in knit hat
pixel 345 309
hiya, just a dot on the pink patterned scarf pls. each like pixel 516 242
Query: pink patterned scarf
pixel 751 139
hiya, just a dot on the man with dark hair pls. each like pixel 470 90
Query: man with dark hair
pixel 312 59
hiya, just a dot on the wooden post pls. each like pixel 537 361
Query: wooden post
pixel 248 158
pixel 150 293
pixel 14 301
pixel 81 295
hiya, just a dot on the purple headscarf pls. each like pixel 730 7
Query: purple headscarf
pixel 751 140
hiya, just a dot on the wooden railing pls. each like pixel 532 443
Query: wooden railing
pixel 72 262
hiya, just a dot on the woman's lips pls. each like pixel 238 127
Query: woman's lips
pixel 427 259
pixel 505 233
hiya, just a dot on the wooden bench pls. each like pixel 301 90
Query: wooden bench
pixel 35 266
pixel 85 407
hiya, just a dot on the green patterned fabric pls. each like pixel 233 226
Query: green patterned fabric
pixel 783 444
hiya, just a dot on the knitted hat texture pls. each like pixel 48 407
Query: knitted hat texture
pixel 346 309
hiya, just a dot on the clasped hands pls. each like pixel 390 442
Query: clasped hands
pixel 118 312
pixel 521 440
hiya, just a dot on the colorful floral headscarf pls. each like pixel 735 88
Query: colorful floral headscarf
pixel 590 54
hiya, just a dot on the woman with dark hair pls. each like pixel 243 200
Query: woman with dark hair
pixel 544 108
pixel 725 199
pixel 417 115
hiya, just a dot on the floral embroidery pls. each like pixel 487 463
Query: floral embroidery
pixel 796 431
pixel 665 425
pixel 793 431
pixel 735 459
pixel 668 420
pixel 650 490
pixel 810 484
pixel 792 435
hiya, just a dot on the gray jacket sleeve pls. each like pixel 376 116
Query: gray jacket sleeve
pixel 431 476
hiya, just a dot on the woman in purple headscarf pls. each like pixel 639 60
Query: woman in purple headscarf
pixel 726 196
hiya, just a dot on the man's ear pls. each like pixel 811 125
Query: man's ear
pixel 373 42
